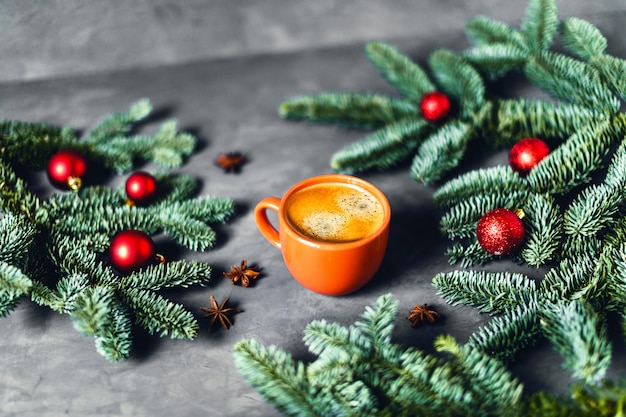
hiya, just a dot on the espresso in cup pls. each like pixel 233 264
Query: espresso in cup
pixel 334 212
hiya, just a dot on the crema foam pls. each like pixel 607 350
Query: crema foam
pixel 334 212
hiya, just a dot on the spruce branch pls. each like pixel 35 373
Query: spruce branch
pixel 281 380
pixel 55 250
pixel 544 221
pixel 161 316
pixel 91 309
pixel 582 39
pixel 364 111
pixel 507 334
pixel 486 31
pixel 120 124
pixel 360 371
pixel 489 292
pixel 114 341
pixel 540 23
pixel 383 148
pixel 580 336
pixel 459 79
pixel 407 77
pixel 574 223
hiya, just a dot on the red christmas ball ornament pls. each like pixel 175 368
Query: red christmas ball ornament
pixel 500 231
pixel 435 106
pixel 66 169
pixel 526 154
pixel 131 250
pixel 141 187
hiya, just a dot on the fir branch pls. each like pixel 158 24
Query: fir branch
pixel 115 341
pixel 483 181
pixel 13 281
pixel 120 124
pixel 540 24
pixel 616 282
pixel 458 78
pixel 406 76
pixel 278 377
pixel 496 390
pixel 535 118
pixel 8 303
pixel 187 232
pixel 497 59
pixel 544 223
pixel 17 237
pixel 470 254
pixel 507 334
pixel 14 194
pixel 174 188
pixel 377 323
pixel 170 275
pixel 568 278
pixel 605 399
pixel 441 152
pixel 489 292
pixel 166 147
pixel 32 144
pixel 611 70
pixel 41 294
pixel 351 378
pixel 582 39
pixel 13 285
pixel 460 220
pixel 106 214
pixel 412 388
pixel 68 288
pixel 160 316
pixel 559 173
pixel 580 337
pixel 486 31
pixel 208 209
pixel 91 310
pixel 592 211
pixel 383 148
pixel 570 80
pixel 320 336
pixel 361 110
pixel 616 172
pixel 585 400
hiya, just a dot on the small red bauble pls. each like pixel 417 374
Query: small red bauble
pixel 141 187
pixel 131 250
pixel 66 169
pixel 435 106
pixel 500 231
pixel 526 154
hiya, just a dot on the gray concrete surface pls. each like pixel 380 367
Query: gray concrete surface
pixel 229 100
pixel 61 38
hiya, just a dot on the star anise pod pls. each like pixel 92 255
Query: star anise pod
pixel 242 273
pixel 421 314
pixel 220 313
pixel 230 161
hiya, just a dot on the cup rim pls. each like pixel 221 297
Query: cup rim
pixel 336 178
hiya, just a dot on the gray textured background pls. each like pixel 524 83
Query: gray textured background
pixel 222 68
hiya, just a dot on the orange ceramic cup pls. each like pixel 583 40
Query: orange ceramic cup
pixel 330 268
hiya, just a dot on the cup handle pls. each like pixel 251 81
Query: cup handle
pixel 262 222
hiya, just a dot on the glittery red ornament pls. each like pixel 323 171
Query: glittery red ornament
pixel 141 187
pixel 66 169
pixel 500 231
pixel 526 154
pixel 435 106
pixel 131 250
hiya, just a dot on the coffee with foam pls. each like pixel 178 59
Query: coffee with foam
pixel 334 212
